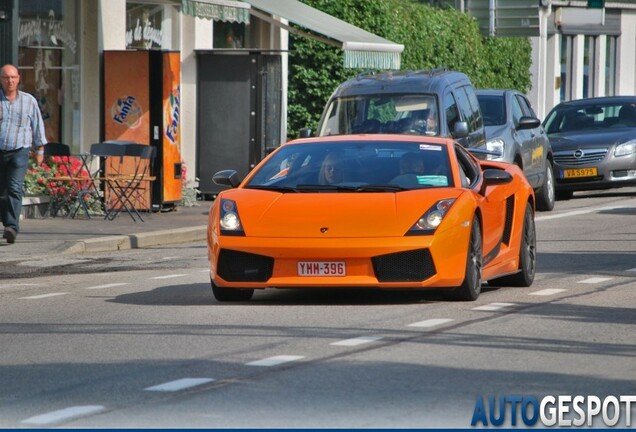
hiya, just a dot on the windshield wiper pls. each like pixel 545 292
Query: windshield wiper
pixel 350 188
pixel 272 188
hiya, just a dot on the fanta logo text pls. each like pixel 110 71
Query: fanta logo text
pixel 172 126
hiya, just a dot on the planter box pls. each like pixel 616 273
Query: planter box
pixel 35 207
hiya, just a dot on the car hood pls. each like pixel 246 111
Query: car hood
pixel 360 215
pixel 590 139
pixel 497 131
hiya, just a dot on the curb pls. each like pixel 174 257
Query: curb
pixel 135 241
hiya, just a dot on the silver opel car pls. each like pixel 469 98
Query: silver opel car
pixel 594 143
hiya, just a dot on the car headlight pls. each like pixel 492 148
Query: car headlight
pixel 429 221
pixel 625 149
pixel 230 220
pixel 495 145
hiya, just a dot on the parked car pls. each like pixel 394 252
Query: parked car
pixel 594 143
pixel 514 131
pixel 436 102
pixel 383 211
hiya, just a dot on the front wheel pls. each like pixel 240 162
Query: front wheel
pixel 527 255
pixel 470 289
pixel 546 196
pixel 231 294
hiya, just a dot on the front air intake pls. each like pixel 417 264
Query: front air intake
pixel 235 266
pixel 412 266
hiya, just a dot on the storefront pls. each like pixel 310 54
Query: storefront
pixel 44 46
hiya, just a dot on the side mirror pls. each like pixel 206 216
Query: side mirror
pixel 528 122
pixel 496 177
pixel 227 178
pixel 460 130
pixel 305 133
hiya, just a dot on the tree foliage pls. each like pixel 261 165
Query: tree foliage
pixel 432 37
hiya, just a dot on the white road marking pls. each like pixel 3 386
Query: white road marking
pixel 179 384
pixel 632 270
pixel 273 361
pixel 63 415
pixel 434 322
pixel 110 285
pixel 168 276
pixel 579 212
pixel 547 292
pixel 595 280
pixel 19 285
pixel 493 306
pixel 41 296
pixel 357 341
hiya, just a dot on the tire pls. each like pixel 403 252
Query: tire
pixel 527 255
pixel 564 195
pixel 546 195
pixel 470 288
pixel 231 294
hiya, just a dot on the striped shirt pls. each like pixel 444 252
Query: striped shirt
pixel 21 123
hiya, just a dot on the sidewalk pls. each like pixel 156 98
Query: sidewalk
pixel 60 235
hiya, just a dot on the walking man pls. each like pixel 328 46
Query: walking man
pixel 21 129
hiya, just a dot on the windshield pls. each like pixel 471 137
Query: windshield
pixel 589 117
pixel 360 166
pixel 493 108
pixel 384 113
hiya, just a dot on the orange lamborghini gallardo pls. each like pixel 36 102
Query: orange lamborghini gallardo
pixel 372 211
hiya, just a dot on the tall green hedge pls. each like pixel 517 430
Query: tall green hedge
pixel 432 37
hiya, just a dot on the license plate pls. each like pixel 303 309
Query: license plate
pixel 321 268
pixel 580 172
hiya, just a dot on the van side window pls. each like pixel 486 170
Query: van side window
pixel 465 109
pixel 476 118
pixel 450 107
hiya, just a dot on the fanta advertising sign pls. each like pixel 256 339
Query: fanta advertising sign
pixel 127 111
pixel 171 116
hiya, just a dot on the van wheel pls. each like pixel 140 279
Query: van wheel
pixel 231 294
pixel 546 195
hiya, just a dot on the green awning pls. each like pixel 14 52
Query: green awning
pixel 219 10
pixel 361 49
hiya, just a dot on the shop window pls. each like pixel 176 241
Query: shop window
pixel 230 35
pixel 48 60
pixel 610 66
pixel 152 26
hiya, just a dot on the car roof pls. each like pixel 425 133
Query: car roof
pixel 597 100
pixel 420 81
pixel 375 138
pixel 495 92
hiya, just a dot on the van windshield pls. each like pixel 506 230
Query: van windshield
pixel 382 113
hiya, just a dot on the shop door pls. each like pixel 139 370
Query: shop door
pixel 238 113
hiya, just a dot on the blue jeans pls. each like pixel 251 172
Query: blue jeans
pixel 13 168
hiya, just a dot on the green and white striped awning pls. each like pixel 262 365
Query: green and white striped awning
pixel 219 10
pixel 361 49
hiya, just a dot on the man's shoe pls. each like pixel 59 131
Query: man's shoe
pixel 10 234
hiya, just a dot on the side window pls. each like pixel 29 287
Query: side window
pixel 450 108
pixel 517 113
pixel 465 109
pixel 525 106
pixel 468 169
pixel 476 118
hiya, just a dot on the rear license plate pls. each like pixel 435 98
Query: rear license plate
pixel 321 268
pixel 579 172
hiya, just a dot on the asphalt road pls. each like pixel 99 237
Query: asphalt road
pixel 135 339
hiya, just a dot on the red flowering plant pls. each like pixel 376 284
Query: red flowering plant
pixel 60 177
pixel 189 192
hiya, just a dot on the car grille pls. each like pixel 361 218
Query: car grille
pixel 234 266
pixel 579 157
pixel 411 266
